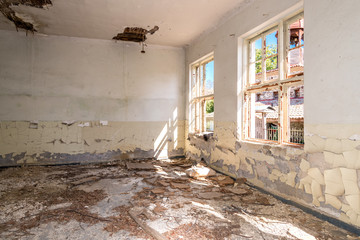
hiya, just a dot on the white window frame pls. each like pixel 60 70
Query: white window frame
pixel 282 83
pixel 197 123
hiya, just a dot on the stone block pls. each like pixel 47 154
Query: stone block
pixel 316 192
pixel 352 159
pixel 352 216
pixel 314 144
pixel 345 208
pixel 307 187
pixel 348 145
pixel 316 175
pixel 304 165
pixel 333 145
pixel 333 182
pixel 354 202
pixel 333 201
pixel 291 179
pixel 336 160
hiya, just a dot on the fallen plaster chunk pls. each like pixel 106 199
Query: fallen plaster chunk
pixel 68 122
pixel 134 213
pixel 179 185
pixel 201 171
pixel 140 166
pixel 355 137
pixel 60 205
pixel 85 124
pixel 210 195
pixel 239 191
pixel 104 122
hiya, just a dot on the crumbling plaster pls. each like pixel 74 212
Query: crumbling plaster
pixel 67 100
pixel 324 174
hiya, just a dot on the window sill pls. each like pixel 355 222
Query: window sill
pixel 272 143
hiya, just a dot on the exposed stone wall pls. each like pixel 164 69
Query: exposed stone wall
pixel 324 175
pixel 54 142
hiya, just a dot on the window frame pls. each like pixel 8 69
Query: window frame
pixel 197 123
pixel 283 83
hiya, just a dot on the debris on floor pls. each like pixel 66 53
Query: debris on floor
pixel 147 199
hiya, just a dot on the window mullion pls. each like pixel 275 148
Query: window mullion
pixel 281 51
pixel 263 57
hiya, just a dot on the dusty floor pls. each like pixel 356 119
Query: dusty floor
pixel 103 201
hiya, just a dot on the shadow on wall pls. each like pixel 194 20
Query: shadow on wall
pixel 166 143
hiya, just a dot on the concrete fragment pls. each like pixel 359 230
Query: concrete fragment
pixel 201 171
pixel 210 195
pixel 140 166
pixel 352 159
pixel 333 201
pixel 354 202
pixel 179 185
pixel 333 182
pixel 316 192
pixel 224 180
pixel 333 145
pixel 304 165
pixel 352 216
pixel 239 191
pixel 158 190
pixel 350 181
pixel 316 175
pixel 85 180
pixel 290 180
pixel 336 160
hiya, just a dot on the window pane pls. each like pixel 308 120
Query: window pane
pixel 295 56
pixel 193 82
pixel 264 115
pixel 296 61
pixel 272 70
pixel 209 78
pixel 209 115
pixel 255 67
pixel 296 114
pixel 272 43
pixel 296 34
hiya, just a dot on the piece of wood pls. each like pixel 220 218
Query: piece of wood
pixel 134 213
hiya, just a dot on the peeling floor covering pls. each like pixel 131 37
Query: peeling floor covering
pixel 93 202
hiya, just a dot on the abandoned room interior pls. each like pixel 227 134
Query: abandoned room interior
pixel 179 119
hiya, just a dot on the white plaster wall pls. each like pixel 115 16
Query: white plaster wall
pixel 224 42
pixel 62 78
pixel 332 66
pixel 332 108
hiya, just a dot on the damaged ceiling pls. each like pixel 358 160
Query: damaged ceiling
pixel 179 21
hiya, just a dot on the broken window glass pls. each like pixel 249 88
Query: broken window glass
pixel 296 48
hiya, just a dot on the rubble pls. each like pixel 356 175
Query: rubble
pixel 117 201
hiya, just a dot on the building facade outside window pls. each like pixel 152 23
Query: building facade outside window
pixel 202 96
pixel 274 86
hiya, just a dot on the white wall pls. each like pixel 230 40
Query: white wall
pixel 62 78
pixel 52 79
pixel 332 66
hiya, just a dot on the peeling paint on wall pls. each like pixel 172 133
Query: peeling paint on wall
pixel 324 175
pixel 19 20
pixel 80 142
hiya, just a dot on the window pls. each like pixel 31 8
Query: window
pixel 274 90
pixel 202 96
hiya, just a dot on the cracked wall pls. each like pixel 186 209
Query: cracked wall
pixel 324 175
pixel 73 100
